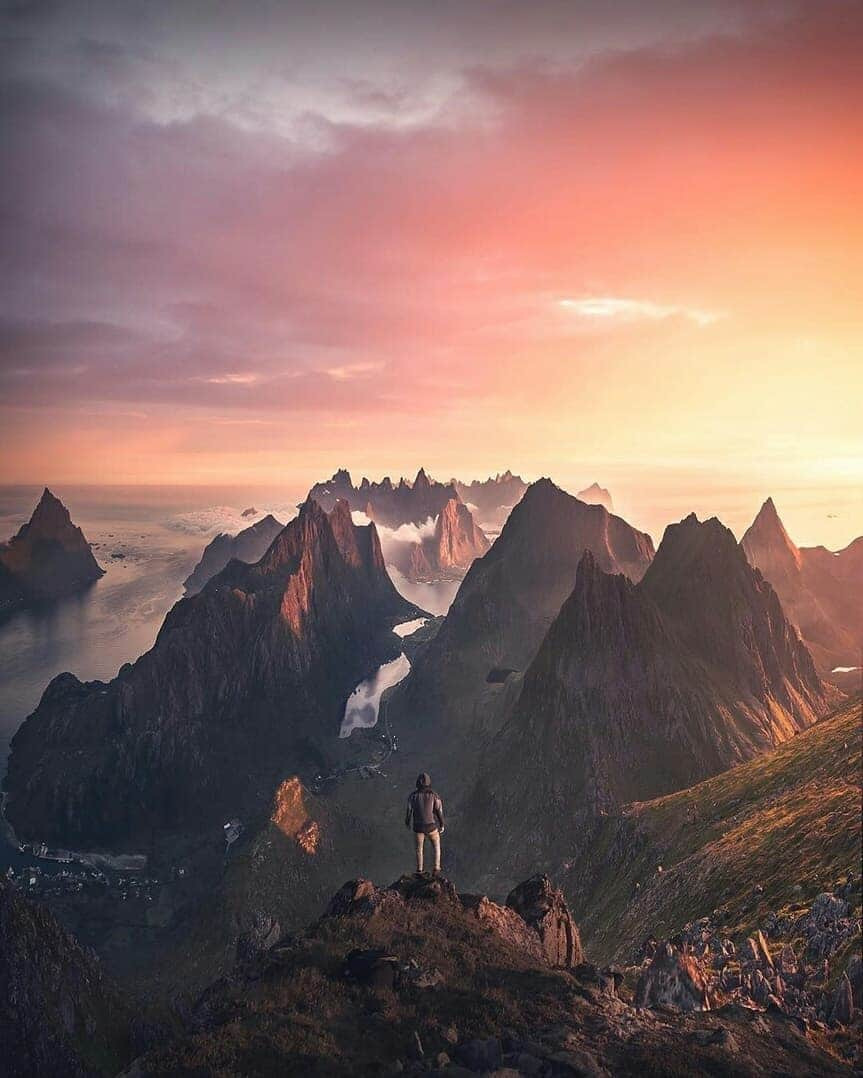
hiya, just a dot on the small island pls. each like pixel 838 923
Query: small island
pixel 48 558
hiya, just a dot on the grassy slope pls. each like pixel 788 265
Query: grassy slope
pixel 789 821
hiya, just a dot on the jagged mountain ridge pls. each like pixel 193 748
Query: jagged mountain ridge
pixel 504 607
pixel 638 690
pixel 386 503
pixel 47 558
pixel 248 545
pixel 494 497
pixel 821 591
pixel 244 684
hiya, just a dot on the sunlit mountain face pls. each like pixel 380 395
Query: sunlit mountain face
pixel 256 243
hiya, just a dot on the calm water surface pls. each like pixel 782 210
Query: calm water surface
pixel 160 535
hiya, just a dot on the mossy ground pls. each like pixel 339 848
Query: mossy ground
pixel 767 836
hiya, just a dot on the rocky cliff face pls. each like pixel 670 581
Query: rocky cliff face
pixel 507 602
pixel 244 685
pixel 458 540
pixel 821 591
pixel 47 558
pixel 249 545
pixel 638 690
pixel 388 504
pixel 57 1014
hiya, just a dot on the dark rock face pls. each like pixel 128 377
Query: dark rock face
pixel 639 690
pixel 245 682
pixel 249 545
pixel 821 591
pixel 672 979
pixel 57 1014
pixel 47 558
pixel 543 907
pixel 506 603
pixel 392 506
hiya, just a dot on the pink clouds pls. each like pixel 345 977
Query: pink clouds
pixel 212 266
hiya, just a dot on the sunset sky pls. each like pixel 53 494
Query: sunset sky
pixel 248 243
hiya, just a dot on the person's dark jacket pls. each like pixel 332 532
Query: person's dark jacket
pixel 425 811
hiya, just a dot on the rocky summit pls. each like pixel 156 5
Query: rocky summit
pixel 596 495
pixel 504 607
pixel 387 503
pixel 638 690
pixel 248 545
pixel 821 590
pixel 244 685
pixel 46 559
pixel 456 542
pixel 416 978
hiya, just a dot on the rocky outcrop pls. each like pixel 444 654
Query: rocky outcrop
pixel 448 552
pixel 672 979
pixel 458 541
pixel 46 559
pixel 57 1013
pixel 542 906
pixel 245 685
pixel 639 690
pixel 386 503
pixel 596 495
pixel 821 591
pixel 770 972
pixel 249 545
pixel 416 979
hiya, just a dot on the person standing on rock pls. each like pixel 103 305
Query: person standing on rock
pixel 425 813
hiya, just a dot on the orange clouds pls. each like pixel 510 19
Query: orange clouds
pixel 643 260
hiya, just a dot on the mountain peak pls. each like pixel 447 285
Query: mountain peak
pixel 422 480
pixel 768 545
pixel 596 495
pixel 47 557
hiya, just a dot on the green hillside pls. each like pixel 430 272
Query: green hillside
pixel 761 837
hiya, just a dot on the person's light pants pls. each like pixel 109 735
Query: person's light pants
pixel 420 837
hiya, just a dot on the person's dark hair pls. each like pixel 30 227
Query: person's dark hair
pixel 423 780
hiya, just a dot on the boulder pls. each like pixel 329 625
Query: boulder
pixel 372 967
pixel 543 907
pixel 843 1003
pixel 424 888
pixel 480 1055
pixel 263 934
pixel 672 979
pixel 854 973
pixel 355 896
pixel 504 923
